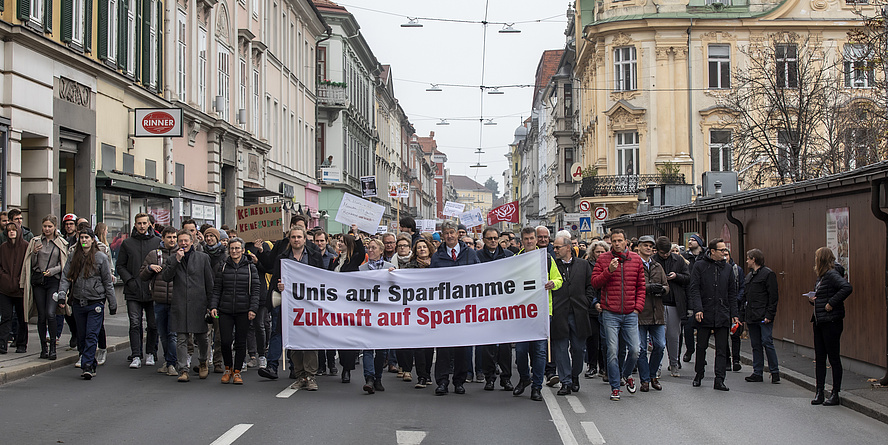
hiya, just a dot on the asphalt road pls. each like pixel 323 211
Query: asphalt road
pixel 123 405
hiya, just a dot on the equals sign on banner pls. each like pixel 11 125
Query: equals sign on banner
pixel 530 285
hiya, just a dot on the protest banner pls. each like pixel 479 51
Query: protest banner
pixel 426 225
pixel 452 208
pixel 501 301
pixel 472 218
pixel 260 221
pixel 365 214
pixel 399 190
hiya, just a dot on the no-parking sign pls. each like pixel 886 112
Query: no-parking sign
pixel 600 213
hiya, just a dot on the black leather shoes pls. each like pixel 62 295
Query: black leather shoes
pixel 489 385
pixel 720 385
pixel 507 385
pixel 775 378
pixel 755 378
pixel 833 399
pixel 459 389
pixel 377 385
pixel 346 376
pixel 697 381
pixel 268 373
pixel 565 390
pixel 687 357
pixel 818 397
pixel 575 386
pixel 520 388
pixel 441 389
pixel 369 385
pixel 536 395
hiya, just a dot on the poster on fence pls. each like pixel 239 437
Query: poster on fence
pixel 501 301
pixel 838 236
pixel 260 221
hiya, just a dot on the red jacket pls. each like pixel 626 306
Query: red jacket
pixel 622 291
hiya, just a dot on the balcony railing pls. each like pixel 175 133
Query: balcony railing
pixel 332 96
pixel 604 185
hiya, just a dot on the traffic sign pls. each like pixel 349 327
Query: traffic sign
pixel 585 206
pixel 573 227
pixel 586 224
pixel 600 213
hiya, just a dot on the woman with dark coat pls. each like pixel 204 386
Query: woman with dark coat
pixel 349 261
pixel 828 300
pixel 12 260
pixel 235 302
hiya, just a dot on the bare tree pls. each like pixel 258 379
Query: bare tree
pixel 778 109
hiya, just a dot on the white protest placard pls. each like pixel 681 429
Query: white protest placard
pixel 365 214
pixel 381 229
pixel 400 190
pixel 472 218
pixel 428 225
pixel 452 208
pixel 501 301
pixel 368 186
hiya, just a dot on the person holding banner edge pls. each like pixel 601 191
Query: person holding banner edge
pixel 452 252
pixel 422 258
pixel 374 360
pixel 501 354
pixel 349 261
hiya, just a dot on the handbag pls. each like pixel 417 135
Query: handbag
pixel 37 277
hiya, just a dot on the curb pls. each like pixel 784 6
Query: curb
pixel 848 400
pixel 41 365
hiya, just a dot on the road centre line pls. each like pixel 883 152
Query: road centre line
pixel 286 393
pixel 592 432
pixel 233 434
pixel 576 405
pixel 406 437
pixel 567 436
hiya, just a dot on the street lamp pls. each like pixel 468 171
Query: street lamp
pixel 508 29
pixel 443 122
pixel 434 87
pixel 495 90
pixel 411 23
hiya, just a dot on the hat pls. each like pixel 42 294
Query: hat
pixel 697 238
pixel 436 236
pixel 213 231
pixel 462 227
pixel 70 217
pixel 223 234
pixel 647 239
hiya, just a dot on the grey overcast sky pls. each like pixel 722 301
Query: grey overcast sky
pixel 451 53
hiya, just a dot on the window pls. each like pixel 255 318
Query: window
pixel 151 76
pixel 181 57
pixel 786 140
pixel 111 21
pixel 627 153
pixel 858 66
pixel 322 63
pixel 568 161
pixel 624 68
pixel 224 59
pixel 77 21
pixel 35 13
pixel 719 2
pixel 242 97
pixel 720 150
pixel 719 66
pixel 202 69
pixel 255 127
pixel 131 38
pixel 254 7
pixel 787 65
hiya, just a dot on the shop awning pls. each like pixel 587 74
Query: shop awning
pixel 135 184
pixel 257 192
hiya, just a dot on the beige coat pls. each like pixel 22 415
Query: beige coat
pixel 25 281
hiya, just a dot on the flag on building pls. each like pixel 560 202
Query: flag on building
pixel 505 213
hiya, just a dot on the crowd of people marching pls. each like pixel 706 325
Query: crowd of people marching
pixel 618 306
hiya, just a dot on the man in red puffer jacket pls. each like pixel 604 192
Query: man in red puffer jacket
pixel 619 274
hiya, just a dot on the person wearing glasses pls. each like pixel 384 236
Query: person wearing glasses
pixel 492 355
pixel 570 325
pixel 712 296
pixel 389 242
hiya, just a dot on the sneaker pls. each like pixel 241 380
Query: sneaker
pixel 101 356
pixel 420 383
pixel 590 373
pixel 407 377
pixel 92 371
pixel 311 384
pixel 244 367
pixel 263 362
pixel 163 369
pixel 297 385
pixel 630 385
pixel 171 371
pixel 149 360
pixel 253 363
pixel 183 377
pixel 77 363
pixel 673 371
pixel 552 381
pixel 615 395
pixel 136 364
pixel 86 374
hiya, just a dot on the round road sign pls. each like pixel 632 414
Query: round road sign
pixel 585 206
pixel 600 213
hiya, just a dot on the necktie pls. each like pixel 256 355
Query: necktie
pixel 453 254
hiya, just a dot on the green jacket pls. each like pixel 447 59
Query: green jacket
pixel 554 276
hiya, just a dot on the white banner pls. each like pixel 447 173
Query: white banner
pixel 452 208
pixel 354 210
pixel 500 301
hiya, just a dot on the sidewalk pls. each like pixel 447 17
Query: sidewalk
pixel 857 393
pixel 19 366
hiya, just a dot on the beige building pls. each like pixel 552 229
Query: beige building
pixel 651 76
pixel 472 194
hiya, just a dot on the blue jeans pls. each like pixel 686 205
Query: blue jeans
pixel 89 322
pixel 275 346
pixel 760 336
pixel 648 370
pixel 374 363
pixel 536 351
pixel 569 352
pixel 617 327
pixel 167 337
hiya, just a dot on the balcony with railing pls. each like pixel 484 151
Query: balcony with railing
pixel 610 185
pixel 332 96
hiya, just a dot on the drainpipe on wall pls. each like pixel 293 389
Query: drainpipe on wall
pixel 691 109
pixel 882 216
pixel 741 243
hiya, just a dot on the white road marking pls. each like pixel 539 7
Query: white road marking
pixel 567 437
pixel 592 433
pixel 231 435
pixel 410 437
pixel 286 393
pixel 576 405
